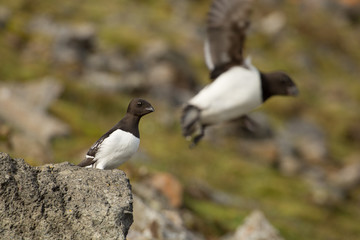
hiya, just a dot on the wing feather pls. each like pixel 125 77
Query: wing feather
pixel 91 154
pixel 227 23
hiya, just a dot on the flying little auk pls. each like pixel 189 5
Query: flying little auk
pixel 237 87
pixel 120 142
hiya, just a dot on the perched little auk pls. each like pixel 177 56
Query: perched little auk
pixel 237 87
pixel 120 142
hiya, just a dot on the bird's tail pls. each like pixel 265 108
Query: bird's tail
pixel 192 129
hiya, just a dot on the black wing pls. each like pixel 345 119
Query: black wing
pixel 90 155
pixel 228 21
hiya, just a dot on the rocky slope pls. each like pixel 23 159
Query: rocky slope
pixel 63 201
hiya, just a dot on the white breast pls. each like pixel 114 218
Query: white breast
pixel 117 148
pixel 234 93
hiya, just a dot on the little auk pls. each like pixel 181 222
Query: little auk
pixel 237 87
pixel 120 142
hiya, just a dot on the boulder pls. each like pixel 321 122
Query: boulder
pixel 323 192
pixel 74 44
pixel 63 201
pixel 273 23
pixel 162 224
pixel 308 140
pixel 255 227
pixel 155 217
pixel 169 186
pixel 347 178
pixel 5 15
pixel 168 72
pixel 24 106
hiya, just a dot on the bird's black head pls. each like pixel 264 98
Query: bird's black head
pixel 139 107
pixel 277 83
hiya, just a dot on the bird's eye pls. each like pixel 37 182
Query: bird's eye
pixel 139 103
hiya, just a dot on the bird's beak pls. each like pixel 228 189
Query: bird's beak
pixel 150 109
pixel 293 91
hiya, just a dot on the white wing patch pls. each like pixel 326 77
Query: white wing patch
pixel 116 149
pixel 234 93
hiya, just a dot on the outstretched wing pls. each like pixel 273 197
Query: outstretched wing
pixel 228 21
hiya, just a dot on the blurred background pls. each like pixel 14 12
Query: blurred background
pixel 68 70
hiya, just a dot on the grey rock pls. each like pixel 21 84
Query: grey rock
pixel 113 62
pixel 156 218
pixel 160 190
pixel 168 72
pixel 5 15
pixel 75 44
pixel 255 227
pixel 203 191
pixel 35 151
pixel 273 23
pixel 301 144
pixel 45 25
pixel 39 93
pixel 348 178
pixel 24 107
pixel 322 192
pixel 132 82
pixel 169 186
pixel 150 196
pixel 62 201
pixel 72 43
pixel 289 165
pixel 164 224
pixel 309 140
